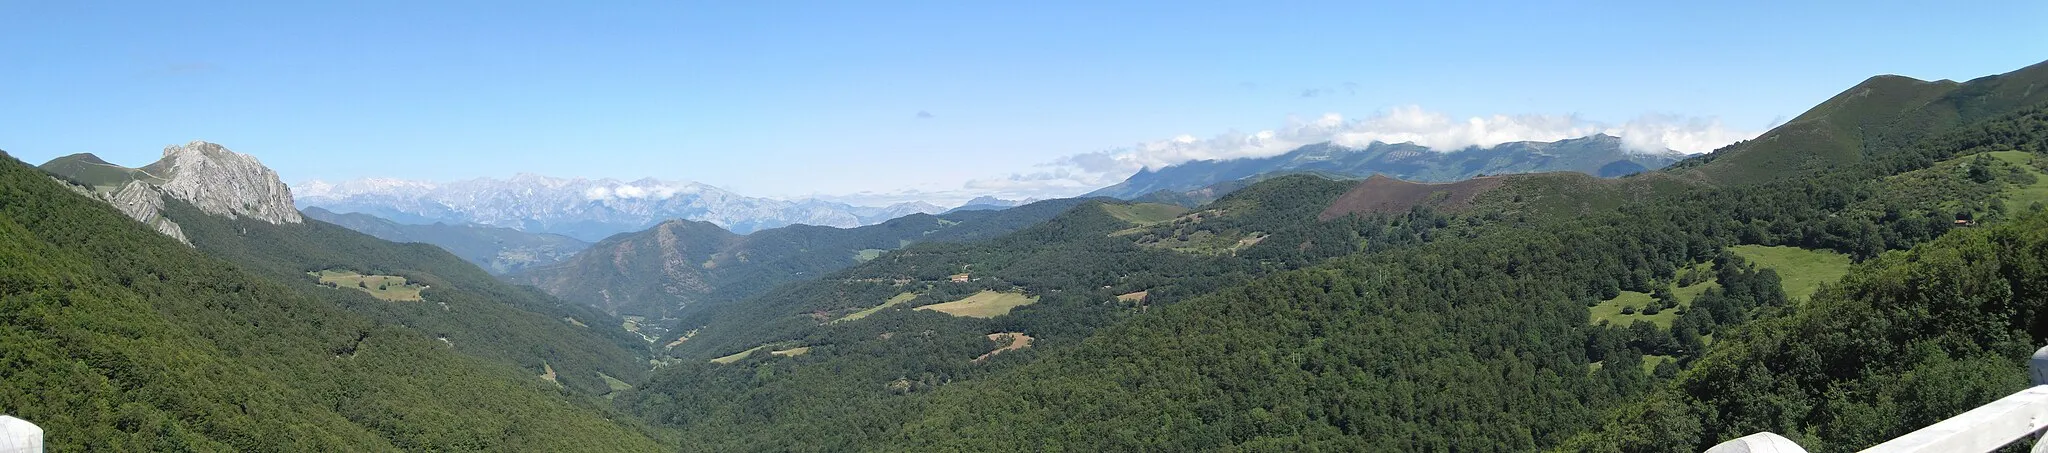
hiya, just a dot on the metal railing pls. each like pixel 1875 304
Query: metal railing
pixel 1986 428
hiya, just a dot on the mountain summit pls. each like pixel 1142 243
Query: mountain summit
pixel 207 175
pixel 223 182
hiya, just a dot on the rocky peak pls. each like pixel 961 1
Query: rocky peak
pixel 218 181
pixel 224 182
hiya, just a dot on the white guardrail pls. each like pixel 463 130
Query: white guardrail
pixel 1986 428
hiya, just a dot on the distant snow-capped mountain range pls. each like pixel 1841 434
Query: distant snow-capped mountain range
pixel 587 209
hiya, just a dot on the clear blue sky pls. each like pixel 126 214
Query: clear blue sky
pixel 790 98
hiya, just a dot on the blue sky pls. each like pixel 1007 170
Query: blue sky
pixel 789 98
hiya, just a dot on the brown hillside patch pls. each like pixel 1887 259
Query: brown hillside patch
pixel 1011 341
pixel 1380 194
pixel 1134 297
pixel 549 373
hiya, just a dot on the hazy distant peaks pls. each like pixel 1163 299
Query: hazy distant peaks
pixel 1436 131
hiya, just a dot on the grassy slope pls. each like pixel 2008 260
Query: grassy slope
pixel 985 304
pixel 2024 196
pixel 1881 114
pixel 386 287
pixel 1803 271
pixel 735 357
pixel 893 301
pixel 90 170
pixel 1144 213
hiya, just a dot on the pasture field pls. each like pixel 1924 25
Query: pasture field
pixel 386 287
pixel 1610 310
pixel 1801 270
pixel 1144 213
pixel 893 301
pixel 2020 197
pixel 735 357
pixel 985 304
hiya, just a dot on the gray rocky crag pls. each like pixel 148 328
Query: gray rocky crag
pixel 224 183
pixel 207 175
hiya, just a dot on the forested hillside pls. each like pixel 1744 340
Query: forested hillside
pixel 118 338
pixel 681 267
pixel 498 250
pixel 1466 327
pixel 1906 340
pixel 475 313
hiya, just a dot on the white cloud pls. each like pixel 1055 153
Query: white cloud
pixel 1087 171
pixel 652 191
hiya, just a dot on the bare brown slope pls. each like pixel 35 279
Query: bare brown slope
pixel 1381 194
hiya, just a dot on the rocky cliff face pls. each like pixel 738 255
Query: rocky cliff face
pixel 225 183
pixel 216 180
pixel 145 204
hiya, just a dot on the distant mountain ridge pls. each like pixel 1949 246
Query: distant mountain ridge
pixel 990 203
pixel 1599 155
pixel 497 250
pixel 586 209
pixel 681 266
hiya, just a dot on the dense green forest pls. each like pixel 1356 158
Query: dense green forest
pixel 117 338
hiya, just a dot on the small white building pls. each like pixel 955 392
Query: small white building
pixel 20 436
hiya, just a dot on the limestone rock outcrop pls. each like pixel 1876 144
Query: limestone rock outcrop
pixel 209 176
pixel 225 183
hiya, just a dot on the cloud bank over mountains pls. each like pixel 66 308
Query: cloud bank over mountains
pixel 1082 172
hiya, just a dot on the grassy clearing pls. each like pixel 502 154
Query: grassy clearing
pixel 742 355
pixel 737 356
pixel 985 304
pixel 548 374
pixel 2019 197
pixel 1610 310
pixel 893 301
pixel 1201 242
pixel 866 255
pixel 1802 270
pixel 1134 297
pixel 1650 362
pixel 386 287
pixel 679 340
pixel 615 384
pixel 1144 213
pixel 1009 341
